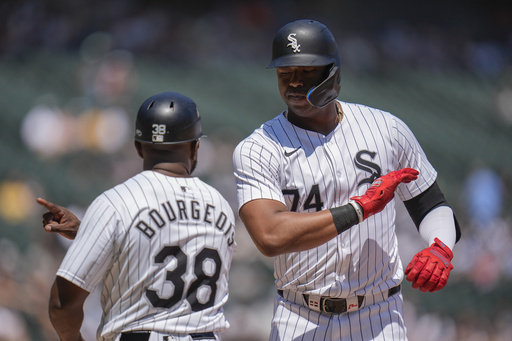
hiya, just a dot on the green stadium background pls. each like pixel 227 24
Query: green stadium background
pixel 72 75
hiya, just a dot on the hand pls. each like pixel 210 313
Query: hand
pixel 59 219
pixel 382 190
pixel 430 268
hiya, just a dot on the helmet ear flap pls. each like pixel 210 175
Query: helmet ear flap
pixel 324 93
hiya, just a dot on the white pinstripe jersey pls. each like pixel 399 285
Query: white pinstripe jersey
pixel 162 246
pixel 308 171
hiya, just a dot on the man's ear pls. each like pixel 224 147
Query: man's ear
pixel 138 147
pixel 194 149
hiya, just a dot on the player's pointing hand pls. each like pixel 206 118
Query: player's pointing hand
pixel 59 219
pixel 382 190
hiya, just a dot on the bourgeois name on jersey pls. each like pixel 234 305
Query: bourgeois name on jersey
pixel 150 218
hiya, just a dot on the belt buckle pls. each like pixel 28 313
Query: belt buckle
pixel 334 305
pixel 330 305
pixel 339 305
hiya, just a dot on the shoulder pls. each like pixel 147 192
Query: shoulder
pixel 360 113
pixel 357 110
pixel 265 136
pixel 202 186
pixel 130 182
pixel 209 194
pixel 101 210
pixel 127 190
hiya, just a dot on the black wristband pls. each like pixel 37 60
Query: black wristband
pixel 344 217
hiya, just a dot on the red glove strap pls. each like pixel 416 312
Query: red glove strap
pixel 443 252
pixel 382 190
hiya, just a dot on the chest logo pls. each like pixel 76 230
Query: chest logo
pixel 291 152
pixel 293 43
pixel 361 161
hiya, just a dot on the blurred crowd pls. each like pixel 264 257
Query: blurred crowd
pixel 474 36
pixel 96 124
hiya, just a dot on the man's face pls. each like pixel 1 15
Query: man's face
pixel 294 83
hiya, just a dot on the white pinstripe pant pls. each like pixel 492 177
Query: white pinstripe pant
pixel 382 321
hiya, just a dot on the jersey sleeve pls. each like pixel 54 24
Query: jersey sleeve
pixel 410 154
pixel 90 254
pixel 257 171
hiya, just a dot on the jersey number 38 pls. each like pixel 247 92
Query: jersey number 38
pixel 176 278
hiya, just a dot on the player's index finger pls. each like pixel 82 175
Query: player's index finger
pixel 47 204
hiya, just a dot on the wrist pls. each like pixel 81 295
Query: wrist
pixel 344 217
pixel 365 206
pixel 358 209
pixel 442 246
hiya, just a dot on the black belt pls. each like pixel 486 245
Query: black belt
pixel 144 336
pixel 333 305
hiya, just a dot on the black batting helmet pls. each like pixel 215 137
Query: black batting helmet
pixel 168 117
pixel 309 43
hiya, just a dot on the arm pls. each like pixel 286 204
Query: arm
pixel 439 223
pixel 275 230
pixel 430 268
pixel 59 219
pixel 66 309
pixel 425 204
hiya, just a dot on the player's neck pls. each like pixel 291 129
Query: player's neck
pixel 320 120
pixel 175 170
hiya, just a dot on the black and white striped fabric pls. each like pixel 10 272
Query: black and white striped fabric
pixel 162 247
pixel 308 171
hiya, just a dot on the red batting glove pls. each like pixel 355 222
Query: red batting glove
pixel 430 268
pixel 382 190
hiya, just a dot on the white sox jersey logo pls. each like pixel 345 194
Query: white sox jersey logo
pixel 293 43
pixel 367 166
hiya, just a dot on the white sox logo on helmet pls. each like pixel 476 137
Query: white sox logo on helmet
pixel 293 43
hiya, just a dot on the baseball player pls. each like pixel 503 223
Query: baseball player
pixel 161 243
pixel 314 187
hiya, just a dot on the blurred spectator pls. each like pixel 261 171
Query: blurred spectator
pixel 103 130
pixel 503 102
pixel 114 79
pixel 358 53
pixel 488 245
pixel 16 201
pixel 484 193
pixel 486 58
pixel 47 131
pixel 12 326
pixel 50 132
